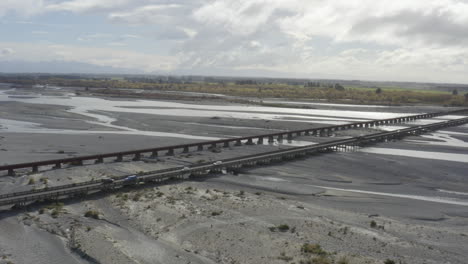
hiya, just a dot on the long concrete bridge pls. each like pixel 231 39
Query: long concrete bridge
pixel 232 164
pixel 199 146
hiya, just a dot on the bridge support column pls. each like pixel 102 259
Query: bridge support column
pixel 99 160
pixel 280 138
pixel 238 143
pixel 119 158
pixel 58 165
pixel 290 136
pixel 154 154
pixel 307 133
pixel 271 139
pixel 260 141
pixel 186 149
pixel 200 147
pixel 249 142
pixel 137 157
pixel 35 169
pixel 170 152
pixel 11 172
pixel 226 144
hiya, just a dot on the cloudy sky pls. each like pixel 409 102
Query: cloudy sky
pixel 400 40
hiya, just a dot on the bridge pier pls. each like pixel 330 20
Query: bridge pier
pixel 226 144
pixel 249 142
pixel 170 152
pixel 280 138
pixel 119 158
pixel 260 141
pixel 35 169
pixel 200 147
pixel 238 143
pixel 186 149
pixel 99 160
pixel 271 139
pixel 58 165
pixel 154 154
pixel 11 172
pixel 290 136
pixel 137 157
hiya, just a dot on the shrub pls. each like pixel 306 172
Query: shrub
pixel 315 249
pixel 373 224
pixel 55 213
pixel 389 261
pixel 92 214
pixel 284 257
pixel 137 197
pixel 215 213
pixel 31 181
pixel 283 228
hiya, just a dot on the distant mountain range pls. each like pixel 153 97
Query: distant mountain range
pixel 60 67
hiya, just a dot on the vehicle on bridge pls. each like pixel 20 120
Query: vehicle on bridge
pixel 132 179
pixel 107 180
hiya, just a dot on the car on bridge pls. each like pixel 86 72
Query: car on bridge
pixel 107 180
pixel 132 179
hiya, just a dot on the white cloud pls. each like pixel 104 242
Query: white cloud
pixel 87 5
pixel 118 58
pixel 21 7
pixel 363 38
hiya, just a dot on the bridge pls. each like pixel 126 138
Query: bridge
pixel 232 164
pixel 184 148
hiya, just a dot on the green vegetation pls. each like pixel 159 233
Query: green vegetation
pixel 56 209
pixel 281 228
pixel 31 181
pixel 216 213
pixel 333 92
pixel 315 249
pixel 389 261
pixel 373 224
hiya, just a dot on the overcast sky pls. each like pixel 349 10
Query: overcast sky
pixel 400 40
